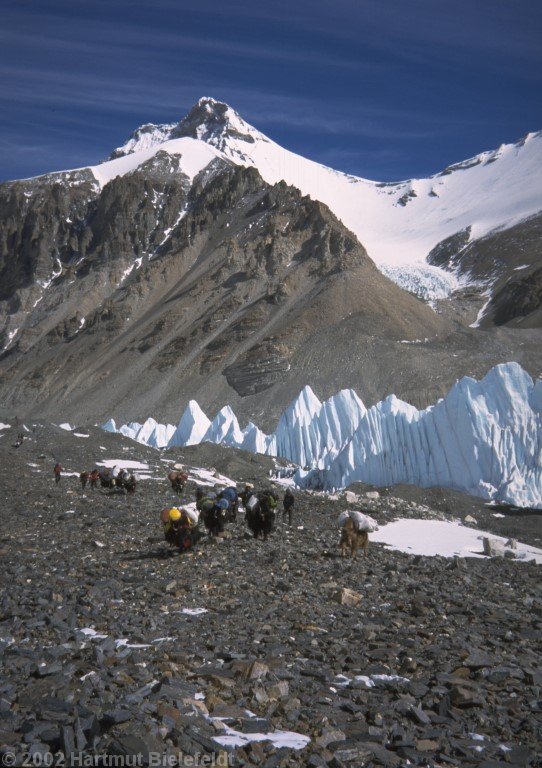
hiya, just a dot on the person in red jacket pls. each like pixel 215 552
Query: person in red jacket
pixel 58 472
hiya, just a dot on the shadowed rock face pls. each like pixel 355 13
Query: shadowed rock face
pixel 133 299
pixel 518 302
pixel 42 229
pixel 504 262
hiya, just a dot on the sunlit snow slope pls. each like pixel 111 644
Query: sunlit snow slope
pixel 484 437
pixel 398 223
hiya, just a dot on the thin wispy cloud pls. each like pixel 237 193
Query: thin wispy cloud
pixel 60 89
pixel 341 81
pixel 183 46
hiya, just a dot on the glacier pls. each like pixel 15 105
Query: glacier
pixel 484 438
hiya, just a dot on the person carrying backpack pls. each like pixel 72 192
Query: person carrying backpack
pixel 180 528
pixel 288 506
pixel 246 493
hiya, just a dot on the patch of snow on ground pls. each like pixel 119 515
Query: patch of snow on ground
pixel 444 538
pixel 5 426
pixel 128 272
pixel 288 739
pixel 91 634
pixel 122 464
pixel 480 314
pixel 80 434
pixel 193 611
pixel 66 426
pixel 206 477
pixel 169 230
pixel 11 336
pixel 46 283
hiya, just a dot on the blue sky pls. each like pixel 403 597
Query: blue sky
pixel 385 89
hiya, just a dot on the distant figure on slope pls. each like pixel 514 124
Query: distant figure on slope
pixel 288 506
pixel 178 478
pixel 19 441
pixel 89 477
pixel 57 472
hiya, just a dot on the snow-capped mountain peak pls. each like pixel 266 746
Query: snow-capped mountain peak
pixel 217 124
pixel 209 120
pixel 399 223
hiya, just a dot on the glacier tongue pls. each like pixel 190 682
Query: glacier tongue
pixel 484 438
pixel 424 280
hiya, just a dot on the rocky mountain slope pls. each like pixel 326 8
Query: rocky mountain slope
pixel 277 653
pixel 184 266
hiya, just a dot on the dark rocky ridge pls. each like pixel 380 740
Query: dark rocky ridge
pixel 507 263
pixel 463 636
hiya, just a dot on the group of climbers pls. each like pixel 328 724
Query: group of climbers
pixel 216 508
pixel 110 478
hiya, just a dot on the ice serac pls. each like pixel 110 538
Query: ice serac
pixel 192 426
pixel 131 429
pixel 337 421
pixel 484 438
pixel 312 433
pixel 536 396
pixel 154 434
pixel 110 426
pixel 297 435
pixel 224 429
pixel 256 441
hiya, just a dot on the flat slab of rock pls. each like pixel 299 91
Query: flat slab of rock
pixel 345 596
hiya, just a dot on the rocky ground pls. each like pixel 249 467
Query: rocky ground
pixel 112 645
